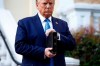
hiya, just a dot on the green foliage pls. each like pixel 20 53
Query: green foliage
pixel 88 49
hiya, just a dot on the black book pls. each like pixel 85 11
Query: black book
pixel 52 42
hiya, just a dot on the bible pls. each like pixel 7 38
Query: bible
pixel 51 41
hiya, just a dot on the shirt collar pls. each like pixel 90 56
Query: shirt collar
pixel 43 18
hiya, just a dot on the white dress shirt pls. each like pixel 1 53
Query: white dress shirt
pixel 43 23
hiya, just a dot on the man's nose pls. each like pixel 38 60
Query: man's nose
pixel 48 5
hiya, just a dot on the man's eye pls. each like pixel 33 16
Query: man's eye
pixel 45 3
pixel 50 3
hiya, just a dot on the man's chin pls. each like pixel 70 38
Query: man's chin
pixel 48 15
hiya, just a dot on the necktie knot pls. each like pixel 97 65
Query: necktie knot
pixel 47 20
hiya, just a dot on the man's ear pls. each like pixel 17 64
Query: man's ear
pixel 36 4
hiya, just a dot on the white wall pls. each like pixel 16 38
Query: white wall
pixel 18 8
pixel 83 18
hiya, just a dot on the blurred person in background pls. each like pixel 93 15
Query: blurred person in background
pixel 31 36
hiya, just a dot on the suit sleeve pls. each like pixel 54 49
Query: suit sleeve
pixel 66 39
pixel 23 47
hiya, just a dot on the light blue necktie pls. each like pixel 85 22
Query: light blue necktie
pixel 47 26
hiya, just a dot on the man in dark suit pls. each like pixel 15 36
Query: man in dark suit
pixel 31 37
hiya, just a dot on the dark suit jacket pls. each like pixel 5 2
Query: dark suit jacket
pixel 31 41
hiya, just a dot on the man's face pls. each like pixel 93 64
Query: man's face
pixel 45 7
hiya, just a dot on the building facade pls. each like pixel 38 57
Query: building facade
pixel 82 14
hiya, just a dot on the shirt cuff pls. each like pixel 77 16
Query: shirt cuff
pixel 58 36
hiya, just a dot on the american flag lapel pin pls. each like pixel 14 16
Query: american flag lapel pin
pixel 56 22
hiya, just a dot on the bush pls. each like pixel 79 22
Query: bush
pixel 88 49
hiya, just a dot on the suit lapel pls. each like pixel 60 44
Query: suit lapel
pixel 39 27
pixel 55 24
